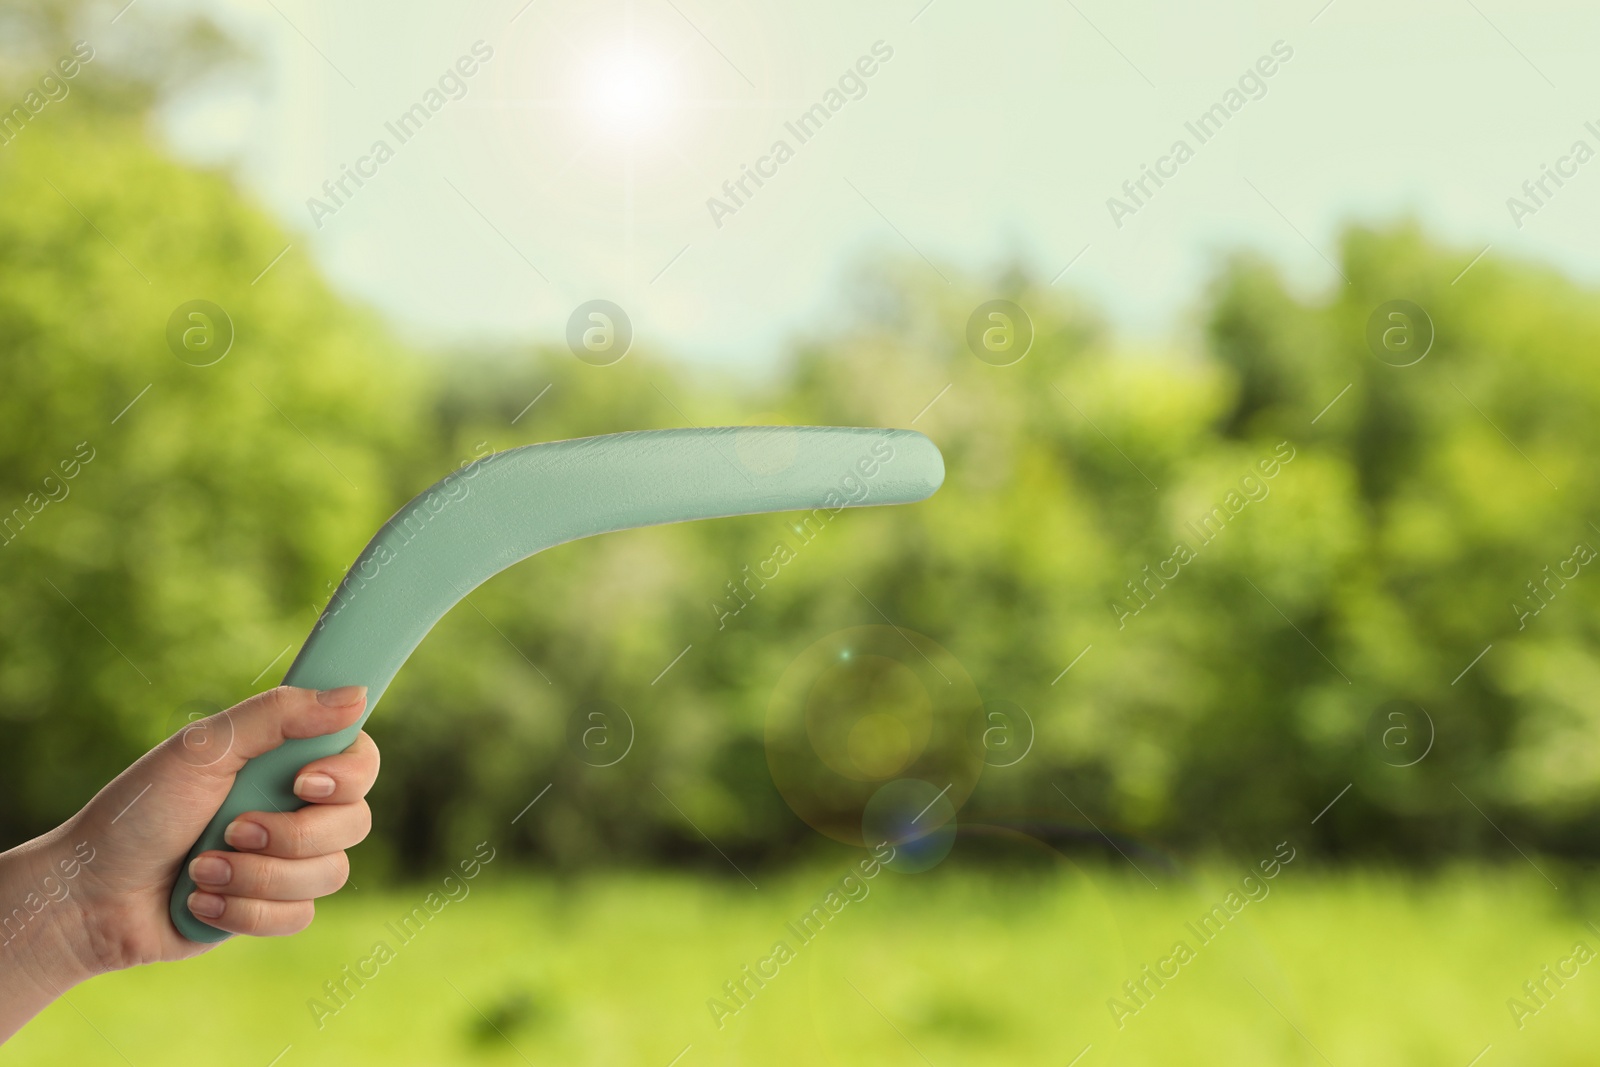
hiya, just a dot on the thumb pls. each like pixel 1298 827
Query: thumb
pixel 222 743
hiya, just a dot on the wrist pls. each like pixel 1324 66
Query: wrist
pixel 44 949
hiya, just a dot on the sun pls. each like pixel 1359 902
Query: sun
pixel 628 93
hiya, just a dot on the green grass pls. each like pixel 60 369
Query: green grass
pixel 949 967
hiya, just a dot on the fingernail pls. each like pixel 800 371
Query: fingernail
pixel 342 697
pixel 313 786
pixel 242 834
pixel 206 905
pixel 211 870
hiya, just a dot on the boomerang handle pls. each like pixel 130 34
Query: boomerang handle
pixel 505 507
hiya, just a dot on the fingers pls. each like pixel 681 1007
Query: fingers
pixel 340 779
pixel 284 859
pixel 224 741
pixel 313 831
pixel 246 915
pixel 238 874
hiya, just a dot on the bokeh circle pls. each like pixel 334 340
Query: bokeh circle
pixel 859 713
pixel 913 817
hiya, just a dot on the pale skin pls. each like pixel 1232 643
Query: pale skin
pixel 91 896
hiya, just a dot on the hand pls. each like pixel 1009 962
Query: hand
pixel 92 895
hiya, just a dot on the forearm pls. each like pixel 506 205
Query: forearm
pixel 42 932
pixel 93 895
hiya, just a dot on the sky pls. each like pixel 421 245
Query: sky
pixel 579 159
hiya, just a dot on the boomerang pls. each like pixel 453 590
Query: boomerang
pixel 505 507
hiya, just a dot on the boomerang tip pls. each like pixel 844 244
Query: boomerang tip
pixel 926 463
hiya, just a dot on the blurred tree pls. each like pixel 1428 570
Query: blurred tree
pixel 174 528
pixel 207 506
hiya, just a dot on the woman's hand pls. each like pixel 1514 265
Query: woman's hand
pixel 91 896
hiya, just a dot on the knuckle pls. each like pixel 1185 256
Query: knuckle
pixel 284 699
pixel 301 840
pixel 264 879
pixel 247 915
pixel 279 697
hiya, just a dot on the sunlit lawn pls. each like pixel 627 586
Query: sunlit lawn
pixel 949 967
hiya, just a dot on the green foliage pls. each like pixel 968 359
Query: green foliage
pixel 211 513
pixel 1389 546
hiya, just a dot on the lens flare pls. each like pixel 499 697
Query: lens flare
pixel 876 712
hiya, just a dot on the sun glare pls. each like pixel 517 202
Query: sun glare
pixel 628 92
